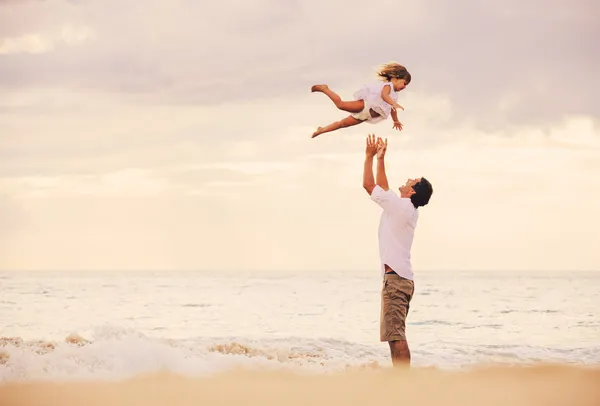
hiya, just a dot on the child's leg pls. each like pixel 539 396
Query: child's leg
pixel 354 106
pixel 346 122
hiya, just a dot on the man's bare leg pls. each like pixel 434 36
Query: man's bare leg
pixel 400 353
pixel 353 106
pixel 346 122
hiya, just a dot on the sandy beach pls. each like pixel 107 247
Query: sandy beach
pixel 547 385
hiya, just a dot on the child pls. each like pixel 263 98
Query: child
pixel 372 103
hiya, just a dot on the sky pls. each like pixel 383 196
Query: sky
pixel 175 134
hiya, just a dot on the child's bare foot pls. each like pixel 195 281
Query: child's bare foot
pixel 318 132
pixel 318 88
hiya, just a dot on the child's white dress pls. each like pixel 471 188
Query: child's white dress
pixel 371 94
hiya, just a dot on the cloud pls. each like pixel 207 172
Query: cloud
pixel 39 44
pixel 501 205
pixel 87 135
pixel 30 44
pixel 167 182
pixel 174 133
pixel 525 63
pixel 121 184
pixel 532 198
pixel 157 168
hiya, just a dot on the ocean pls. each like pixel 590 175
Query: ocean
pixel 70 326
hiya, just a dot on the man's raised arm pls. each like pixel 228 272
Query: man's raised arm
pixel 370 152
pixel 381 176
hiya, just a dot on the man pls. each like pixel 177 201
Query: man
pixel 396 232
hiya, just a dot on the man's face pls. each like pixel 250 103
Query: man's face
pixel 407 190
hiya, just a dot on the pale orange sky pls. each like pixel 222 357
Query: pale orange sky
pixel 176 134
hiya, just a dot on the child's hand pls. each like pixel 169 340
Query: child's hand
pixel 398 125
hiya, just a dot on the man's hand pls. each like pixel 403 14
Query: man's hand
pixel 372 145
pixel 381 148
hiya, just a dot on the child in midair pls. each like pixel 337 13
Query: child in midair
pixel 372 103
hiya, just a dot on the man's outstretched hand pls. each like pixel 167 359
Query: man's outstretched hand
pixel 372 145
pixel 381 148
pixel 376 146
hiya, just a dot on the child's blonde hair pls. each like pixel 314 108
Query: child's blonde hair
pixel 393 70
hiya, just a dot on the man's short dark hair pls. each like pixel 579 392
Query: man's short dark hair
pixel 423 191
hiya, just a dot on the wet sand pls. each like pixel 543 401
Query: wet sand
pixel 547 385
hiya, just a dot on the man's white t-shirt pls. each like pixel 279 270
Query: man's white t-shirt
pixel 396 231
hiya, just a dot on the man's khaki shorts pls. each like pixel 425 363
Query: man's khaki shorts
pixel 396 295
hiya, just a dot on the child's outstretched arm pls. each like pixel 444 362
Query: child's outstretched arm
pixel 397 124
pixel 385 95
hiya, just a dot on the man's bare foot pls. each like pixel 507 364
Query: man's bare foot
pixel 318 132
pixel 318 88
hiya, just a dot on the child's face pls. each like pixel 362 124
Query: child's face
pixel 399 84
